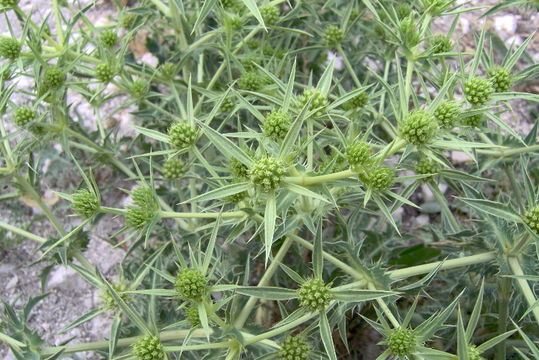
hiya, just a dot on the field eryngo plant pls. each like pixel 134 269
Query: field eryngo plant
pixel 272 193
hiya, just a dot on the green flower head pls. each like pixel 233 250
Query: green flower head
pixel 139 89
pixel 168 70
pixel 144 208
pixel 379 177
pixel 148 347
pixel 182 135
pixel 85 203
pixel 54 77
pixel 127 21
pixel 270 14
pixel 500 78
pixel 441 44
pixel 478 91
pixel 277 124
pixel 250 81
pixel 23 115
pixel 333 36
pixel 267 173
pixel 104 72
pixel 191 284
pixel 357 102
pixel 294 348
pixel 409 34
pixel 418 127
pixel 8 3
pixel 238 169
pixel 109 38
pixel 314 295
pixel 425 167
pixel 447 114
pixel 358 154
pixel 474 121
pixel 318 101
pixel 531 218
pixel 227 105
pixel 173 169
pixel 9 48
pixel 191 314
pixel 401 342
pixel 473 353
pixel 109 302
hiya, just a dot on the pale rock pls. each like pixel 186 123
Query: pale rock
pixel 12 283
pixel 338 64
pixel 460 157
pixel 422 220
pixel 398 214
pixel 506 23
pixel 149 59
pixel 64 277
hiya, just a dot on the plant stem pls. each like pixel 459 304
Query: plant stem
pixel 527 292
pixel 381 302
pixel 242 318
pixel 447 264
pixel 22 232
pixel 504 289
pixel 198 215
pixel 312 180
pixel 408 83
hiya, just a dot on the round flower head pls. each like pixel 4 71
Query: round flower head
pixel 441 44
pixel 277 124
pixel 236 22
pixel 53 78
pixel 127 21
pixel 239 170
pixel 500 78
pixel 191 284
pixel 531 218
pixel 148 347
pixel 23 116
pixel 227 105
pixel 379 178
pixel 191 314
pixel 173 169
pixel 318 100
pixel 408 30
pixel 418 127
pixel 358 153
pixel 144 208
pixel 8 3
pixel 182 135
pixel 314 295
pixel 425 167
pixel 168 70
pixel 109 38
pixel 250 81
pixel 478 90
pixel 270 14
pixel 232 5
pixel 333 36
pixel 9 48
pixel 403 10
pixel 435 7
pixel 401 342
pixel 84 203
pixel 357 102
pixel 108 300
pixel 136 218
pixel 447 114
pixel 139 89
pixel 473 353
pixel 473 121
pixel 104 72
pixel 267 173
pixel 294 348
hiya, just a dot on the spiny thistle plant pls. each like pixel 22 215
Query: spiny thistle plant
pixel 285 179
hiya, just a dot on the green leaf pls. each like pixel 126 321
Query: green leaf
pixel 267 292
pixel 220 193
pixel 300 190
pixel 324 84
pixel 474 318
pixel 495 341
pixel 462 345
pixel 327 338
pixel 253 8
pixel 318 260
pixel 492 208
pixel 270 216
pixel 360 295
pixel 153 134
pixel 225 146
pixel 82 319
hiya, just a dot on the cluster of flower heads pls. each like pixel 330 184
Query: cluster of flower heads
pixel 267 173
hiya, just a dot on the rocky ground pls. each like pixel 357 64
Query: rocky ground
pixel 70 297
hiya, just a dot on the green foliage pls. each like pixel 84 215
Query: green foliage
pixel 148 348
pixel 270 145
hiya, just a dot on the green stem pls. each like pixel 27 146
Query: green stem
pixel 408 83
pixel 242 318
pixel 161 7
pixel 447 264
pixel 396 324
pixel 310 145
pixel 198 215
pixel 527 292
pixel 22 232
pixel 508 152
pixel 504 291
pixel 312 180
